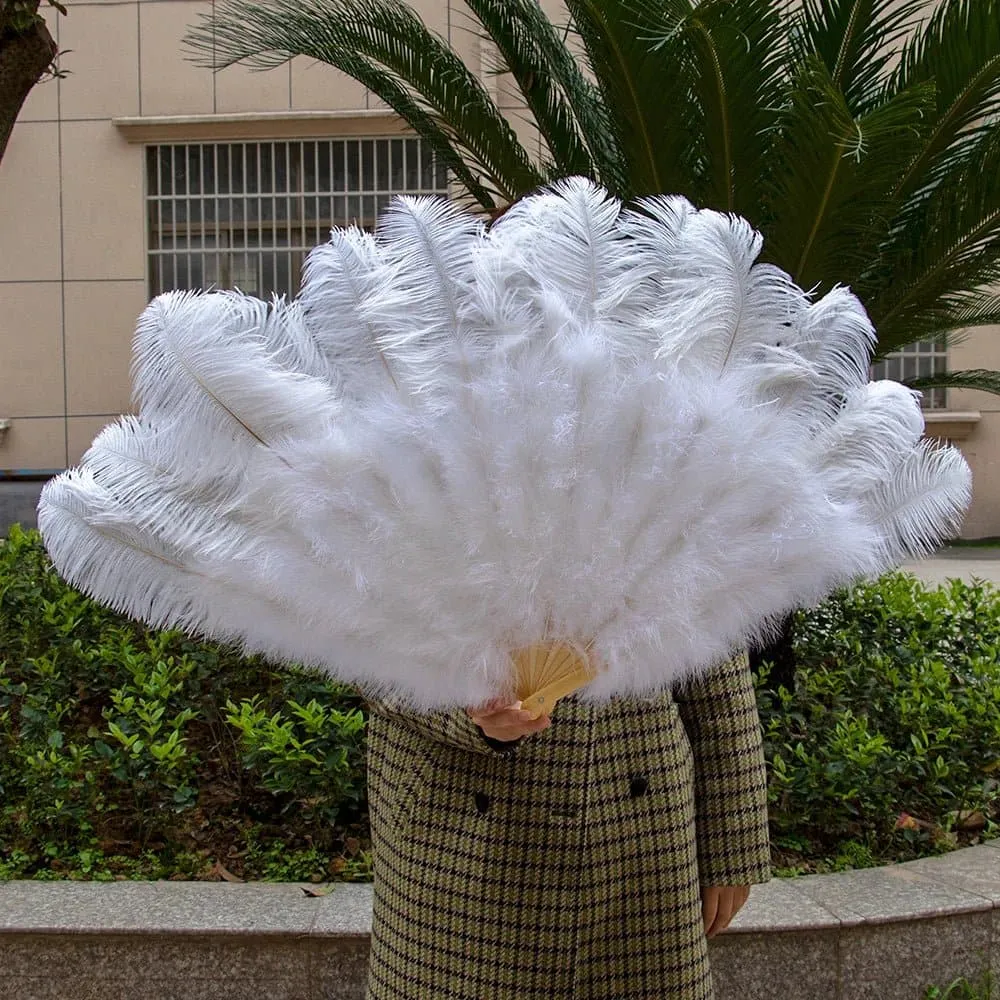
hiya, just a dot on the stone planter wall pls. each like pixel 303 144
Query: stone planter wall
pixel 885 933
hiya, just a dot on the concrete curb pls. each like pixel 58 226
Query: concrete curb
pixel 884 933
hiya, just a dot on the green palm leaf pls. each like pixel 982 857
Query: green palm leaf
pixel 646 88
pixel 830 195
pixel 976 378
pixel 737 51
pixel 955 317
pixel 855 40
pixel 959 51
pixel 386 46
pixel 975 308
pixel 566 106
pixel 944 253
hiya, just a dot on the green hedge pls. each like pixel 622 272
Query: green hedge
pixel 130 753
pixel 889 748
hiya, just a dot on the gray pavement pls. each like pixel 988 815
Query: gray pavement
pixel 963 563
pixel 18 500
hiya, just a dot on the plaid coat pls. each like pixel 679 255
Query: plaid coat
pixel 569 864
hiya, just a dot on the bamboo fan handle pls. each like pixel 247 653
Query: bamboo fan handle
pixel 544 700
pixel 575 673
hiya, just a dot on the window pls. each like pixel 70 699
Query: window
pixel 244 215
pixel 926 357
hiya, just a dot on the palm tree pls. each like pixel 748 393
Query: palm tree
pixel 861 136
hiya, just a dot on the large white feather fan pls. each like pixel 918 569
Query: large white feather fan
pixel 590 440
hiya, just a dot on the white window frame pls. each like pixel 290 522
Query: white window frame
pixel 925 357
pixel 246 218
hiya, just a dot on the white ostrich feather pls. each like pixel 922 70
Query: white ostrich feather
pixel 924 499
pixel 168 584
pixel 589 423
pixel 205 371
pixel 291 342
pixel 877 428
pixel 338 278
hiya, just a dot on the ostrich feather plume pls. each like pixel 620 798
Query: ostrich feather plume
pixel 590 423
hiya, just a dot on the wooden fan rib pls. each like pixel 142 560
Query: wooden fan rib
pixel 546 672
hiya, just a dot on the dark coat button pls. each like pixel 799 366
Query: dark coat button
pixel 482 802
pixel 638 786
pixel 568 813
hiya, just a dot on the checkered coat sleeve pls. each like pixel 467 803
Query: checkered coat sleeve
pixel 722 723
pixel 450 726
pixel 567 866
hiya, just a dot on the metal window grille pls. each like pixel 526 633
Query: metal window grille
pixel 926 357
pixel 245 214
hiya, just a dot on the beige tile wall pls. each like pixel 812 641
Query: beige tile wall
pixel 102 203
pixel 317 86
pixel 240 89
pixel 30 225
pixel 168 84
pixel 101 46
pixel 980 349
pixel 80 434
pixel 99 321
pixel 31 349
pixel 34 444
pixel 982 450
pixel 72 230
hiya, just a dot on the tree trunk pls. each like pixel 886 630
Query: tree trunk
pixel 24 56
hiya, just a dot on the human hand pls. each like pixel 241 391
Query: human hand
pixel 505 722
pixel 720 903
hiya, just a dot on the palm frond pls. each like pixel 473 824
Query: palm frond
pixel 954 315
pixel 944 253
pixel 645 82
pixel 976 308
pixel 737 51
pixel 385 45
pixel 830 192
pixel 856 39
pixel 926 320
pixel 565 105
pixel 959 51
pixel 975 378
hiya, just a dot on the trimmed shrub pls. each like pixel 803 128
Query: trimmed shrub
pixel 126 751
pixel 889 747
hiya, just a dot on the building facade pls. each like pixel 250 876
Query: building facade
pixel 139 172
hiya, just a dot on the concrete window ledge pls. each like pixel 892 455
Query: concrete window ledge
pixel 260 125
pixel 883 933
pixel 951 425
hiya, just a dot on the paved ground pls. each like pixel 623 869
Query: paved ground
pixel 964 563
